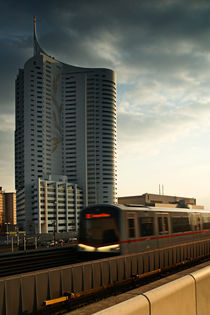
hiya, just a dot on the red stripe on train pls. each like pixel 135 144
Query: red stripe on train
pixel 146 239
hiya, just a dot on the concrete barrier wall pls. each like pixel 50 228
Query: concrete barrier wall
pixel 189 295
pixel 202 287
pixel 174 298
pixel 26 293
pixel 139 305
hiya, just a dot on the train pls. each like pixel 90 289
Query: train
pixel 125 229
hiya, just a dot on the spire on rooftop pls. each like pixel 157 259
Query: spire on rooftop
pixel 37 48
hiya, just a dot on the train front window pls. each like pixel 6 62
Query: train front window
pixel 99 230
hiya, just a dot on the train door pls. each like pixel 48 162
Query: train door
pixel 163 229
pixel 198 222
pixel 131 232
pixel 197 225
pixel 147 231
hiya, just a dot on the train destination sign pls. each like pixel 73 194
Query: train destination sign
pixel 101 215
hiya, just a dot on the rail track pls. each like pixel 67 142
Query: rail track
pixel 32 260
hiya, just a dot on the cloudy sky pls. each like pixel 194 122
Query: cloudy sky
pixel 161 53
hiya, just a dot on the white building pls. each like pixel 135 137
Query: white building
pixel 58 203
pixel 65 125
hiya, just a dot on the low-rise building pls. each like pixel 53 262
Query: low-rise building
pixel 56 205
pixel 2 205
pixel 156 200
pixel 10 208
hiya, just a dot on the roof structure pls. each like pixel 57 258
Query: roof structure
pixel 37 48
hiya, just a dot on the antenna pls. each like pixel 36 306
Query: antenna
pixel 162 190
pixel 159 190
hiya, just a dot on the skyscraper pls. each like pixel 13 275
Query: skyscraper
pixel 65 125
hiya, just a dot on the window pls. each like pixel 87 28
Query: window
pixel 180 224
pixel 131 228
pixel 206 222
pixel 146 226
pixel 206 225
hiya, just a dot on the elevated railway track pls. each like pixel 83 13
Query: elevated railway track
pixel 32 260
pixel 82 277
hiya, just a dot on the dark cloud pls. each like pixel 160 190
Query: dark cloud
pixel 153 39
pixel 142 30
pixel 13 54
pixel 159 49
pixel 157 39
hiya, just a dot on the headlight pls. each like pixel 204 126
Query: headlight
pixel 109 248
pixel 86 247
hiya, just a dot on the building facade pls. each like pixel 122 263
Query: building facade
pixel 59 204
pixel 10 208
pixel 7 209
pixel 2 206
pixel 65 125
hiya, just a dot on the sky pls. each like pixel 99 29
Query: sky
pixel 160 51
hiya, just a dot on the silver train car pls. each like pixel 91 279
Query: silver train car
pixel 127 229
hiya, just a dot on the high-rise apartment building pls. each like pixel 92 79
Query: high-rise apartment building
pixel 65 125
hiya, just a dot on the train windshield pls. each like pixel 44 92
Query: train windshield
pixel 99 229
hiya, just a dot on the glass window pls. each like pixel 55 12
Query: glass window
pixel 146 226
pixel 206 222
pixel 206 225
pixel 180 224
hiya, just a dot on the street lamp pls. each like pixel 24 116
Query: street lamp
pixel 55 223
pixel 17 234
pixel 7 232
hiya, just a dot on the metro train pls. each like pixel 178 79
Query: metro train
pixel 124 229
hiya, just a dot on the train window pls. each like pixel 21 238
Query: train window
pixel 206 225
pixel 180 224
pixel 146 226
pixel 206 222
pixel 131 228
pixel 163 225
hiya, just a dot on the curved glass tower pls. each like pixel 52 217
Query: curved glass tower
pixel 65 125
